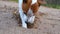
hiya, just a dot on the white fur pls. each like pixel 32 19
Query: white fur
pixel 22 15
pixel 34 1
pixel 31 18
pixel 30 12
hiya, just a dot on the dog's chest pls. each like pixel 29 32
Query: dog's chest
pixel 33 2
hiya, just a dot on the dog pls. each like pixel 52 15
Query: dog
pixel 28 9
pixel 32 4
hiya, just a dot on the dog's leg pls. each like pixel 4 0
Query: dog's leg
pixel 30 13
pixel 31 16
pixel 22 15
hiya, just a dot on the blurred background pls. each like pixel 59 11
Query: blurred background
pixel 50 3
pixel 53 3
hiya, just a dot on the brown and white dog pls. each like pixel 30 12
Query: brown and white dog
pixel 32 4
pixel 27 10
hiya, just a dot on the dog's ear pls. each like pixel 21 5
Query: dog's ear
pixel 41 1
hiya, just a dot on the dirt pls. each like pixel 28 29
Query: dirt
pixel 47 20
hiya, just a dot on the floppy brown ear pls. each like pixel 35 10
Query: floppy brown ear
pixel 41 1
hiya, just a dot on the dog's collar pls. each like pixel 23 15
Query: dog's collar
pixel 34 1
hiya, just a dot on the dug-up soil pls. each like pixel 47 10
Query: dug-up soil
pixel 47 20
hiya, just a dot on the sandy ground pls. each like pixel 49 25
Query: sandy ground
pixel 47 23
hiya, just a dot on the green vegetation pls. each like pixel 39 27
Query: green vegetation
pixel 48 5
pixel 53 6
pixel 53 3
pixel 15 0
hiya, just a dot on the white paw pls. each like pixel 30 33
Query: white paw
pixel 31 19
pixel 24 24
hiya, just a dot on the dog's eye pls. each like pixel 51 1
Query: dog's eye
pixel 24 1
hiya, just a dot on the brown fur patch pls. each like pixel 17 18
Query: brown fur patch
pixel 34 7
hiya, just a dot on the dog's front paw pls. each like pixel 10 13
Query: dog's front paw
pixel 31 19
